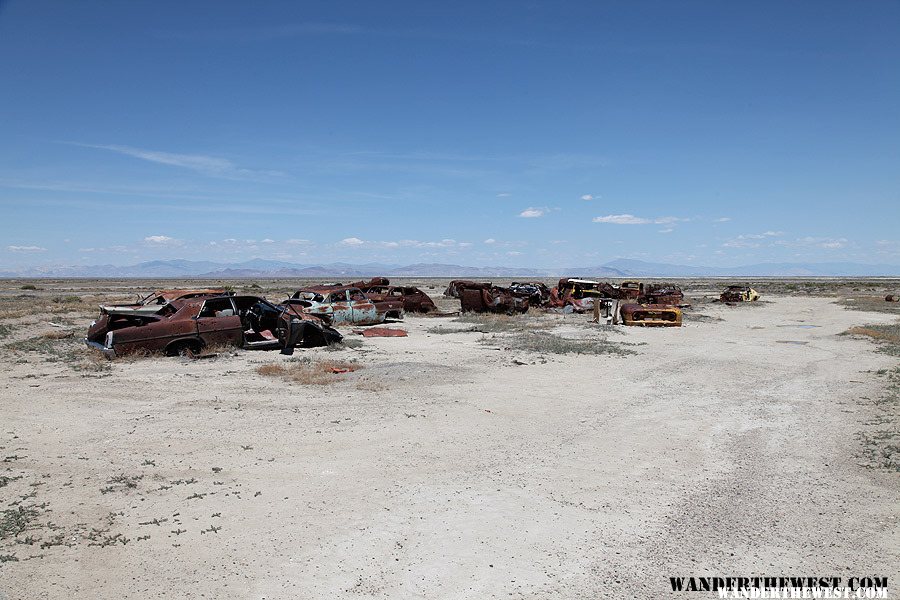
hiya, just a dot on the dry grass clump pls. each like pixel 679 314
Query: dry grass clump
pixel 546 343
pixel 497 323
pixel 308 372
pixel 58 334
pixel 62 347
pixel 887 335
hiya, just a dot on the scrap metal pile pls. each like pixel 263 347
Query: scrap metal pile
pixel 634 303
pixel 185 322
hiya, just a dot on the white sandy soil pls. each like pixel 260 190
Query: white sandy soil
pixel 444 469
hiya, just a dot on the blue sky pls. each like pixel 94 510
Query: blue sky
pixel 504 133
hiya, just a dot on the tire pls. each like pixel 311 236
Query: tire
pixel 186 348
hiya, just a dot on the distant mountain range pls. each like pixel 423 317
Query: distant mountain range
pixel 272 268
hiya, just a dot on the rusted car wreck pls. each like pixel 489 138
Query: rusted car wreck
pixel 412 298
pixel 664 294
pixel 186 327
pixel 484 297
pixel 580 295
pixel 738 293
pixel 456 286
pixel 155 302
pixel 344 304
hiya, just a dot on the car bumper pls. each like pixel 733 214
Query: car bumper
pixel 107 352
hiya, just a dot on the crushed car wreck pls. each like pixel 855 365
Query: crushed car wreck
pixel 537 293
pixel 344 304
pixel 580 295
pixel 484 297
pixel 186 327
pixel 738 293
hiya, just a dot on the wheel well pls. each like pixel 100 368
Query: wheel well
pixel 192 344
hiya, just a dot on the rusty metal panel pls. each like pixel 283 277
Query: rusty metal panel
pixel 651 315
pixel 383 332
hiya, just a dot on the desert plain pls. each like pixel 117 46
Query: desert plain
pixel 530 457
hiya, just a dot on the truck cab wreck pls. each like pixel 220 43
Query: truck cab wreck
pixel 186 327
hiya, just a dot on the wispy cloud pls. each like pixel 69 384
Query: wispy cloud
pixel 533 213
pixel 355 242
pixel 26 249
pixel 589 197
pixel 627 219
pixel 211 166
pixel 161 240
pixel 815 242
pixel 722 219
pixel 751 240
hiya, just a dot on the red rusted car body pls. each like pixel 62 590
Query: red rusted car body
pixel 482 298
pixel 188 326
pixel 412 298
pixel 453 290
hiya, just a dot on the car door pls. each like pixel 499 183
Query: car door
pixel 218 322
pixel 363 309
pixel 341 308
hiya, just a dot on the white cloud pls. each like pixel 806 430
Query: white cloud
pixel 504 195
pixel 627 219
pixel 445 243
pixel 723 219
pixel 622 220
pixel 297 242
pixel 161 240
pixel 26 248
pixel 667 230
pixel 490 241
pixel 267 241
pixel 587 197
pixel 532 213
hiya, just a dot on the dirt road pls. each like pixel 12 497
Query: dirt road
pixel 444 469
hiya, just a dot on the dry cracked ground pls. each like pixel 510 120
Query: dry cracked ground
pixel 481 458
